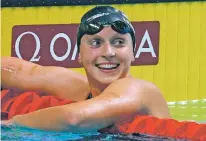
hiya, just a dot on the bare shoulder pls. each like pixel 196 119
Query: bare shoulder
pixel 147 86
pixel 124 84
pixel 129 82
pixel 145 92
pixel 128 87
pixel 154 100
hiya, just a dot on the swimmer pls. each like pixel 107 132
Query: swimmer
pixel 106 41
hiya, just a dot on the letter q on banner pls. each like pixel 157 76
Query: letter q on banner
pixel 17 50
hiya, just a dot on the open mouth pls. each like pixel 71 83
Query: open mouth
pixel 107 66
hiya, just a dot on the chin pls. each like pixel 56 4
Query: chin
pixel 105 78
pixel 107 81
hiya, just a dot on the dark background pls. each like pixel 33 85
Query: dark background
pixel 32 3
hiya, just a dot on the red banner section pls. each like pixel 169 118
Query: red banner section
pixel 55 45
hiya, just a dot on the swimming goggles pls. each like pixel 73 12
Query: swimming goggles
pixel 93 28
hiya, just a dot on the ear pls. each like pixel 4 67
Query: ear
pixel 79 59
pixel 133 58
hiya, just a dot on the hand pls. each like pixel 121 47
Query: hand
pixel 6 122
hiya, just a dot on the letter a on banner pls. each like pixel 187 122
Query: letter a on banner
pixel 146 38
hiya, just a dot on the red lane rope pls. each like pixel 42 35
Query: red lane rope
pixel 165 127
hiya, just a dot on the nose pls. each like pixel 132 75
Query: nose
pixel 108 51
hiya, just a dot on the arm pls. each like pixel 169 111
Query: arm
pixel 28 76
pixel 154 100
pixel 94 114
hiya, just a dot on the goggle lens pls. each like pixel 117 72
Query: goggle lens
pixel 94 28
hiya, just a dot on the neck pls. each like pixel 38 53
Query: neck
pixel 96 88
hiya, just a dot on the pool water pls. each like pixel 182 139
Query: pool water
pixel 11 133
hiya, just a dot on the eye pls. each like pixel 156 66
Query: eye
pixel 95 43
pixel 119 42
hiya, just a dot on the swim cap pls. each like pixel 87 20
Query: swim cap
pixel 95 19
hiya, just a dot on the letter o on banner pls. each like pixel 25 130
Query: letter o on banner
pixel 61 58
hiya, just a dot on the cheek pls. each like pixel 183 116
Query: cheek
pixel 93 53
pixel 90 56
pixel 127 59
pixel 126 55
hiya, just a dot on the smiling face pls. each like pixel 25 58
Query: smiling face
pixel 106 56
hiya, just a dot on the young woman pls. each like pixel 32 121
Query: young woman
pixel 107 95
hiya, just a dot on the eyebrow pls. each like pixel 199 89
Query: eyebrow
pixel 116 35
pixel 120 36
pixel 94 37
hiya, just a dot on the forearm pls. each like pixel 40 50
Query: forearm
pixel 16 74
pixel 82 116
pixel 103 112
pixel 67 118
pixel 54 118
pixel 27 76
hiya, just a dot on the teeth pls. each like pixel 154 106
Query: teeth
pixel 108 66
